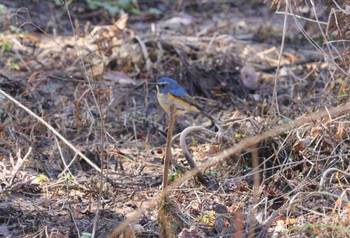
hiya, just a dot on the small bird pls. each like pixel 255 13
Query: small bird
pixel 171 93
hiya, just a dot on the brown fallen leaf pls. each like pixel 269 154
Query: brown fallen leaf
pixel 315 131
pixel 340 133
pixel 301 144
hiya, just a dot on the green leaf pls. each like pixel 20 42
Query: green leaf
pixel 135 11
pixel 154 11
pixel 114 7
pixel 15 29
pixel 212 172
pixel 3 9
pixel 39 179
pixel 125 3
pixel 111 7
pixel 239 135
pixel 15 66
pixel 175 174
pixel 86 235
pixel 5 47
pixel 193 140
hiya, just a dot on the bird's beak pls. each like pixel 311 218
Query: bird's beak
pixel 154 83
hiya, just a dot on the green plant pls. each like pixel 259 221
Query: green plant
pixel 115 6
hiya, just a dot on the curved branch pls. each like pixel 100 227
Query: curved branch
pixel 324 175
pixel 243 144
pixel 186 152
pixel 50 128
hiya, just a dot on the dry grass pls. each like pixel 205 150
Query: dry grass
pixel 278 166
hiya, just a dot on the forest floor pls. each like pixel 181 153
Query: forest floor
pixel 277 83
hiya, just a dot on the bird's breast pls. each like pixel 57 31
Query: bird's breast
pixel 166 100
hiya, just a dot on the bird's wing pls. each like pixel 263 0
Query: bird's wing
pixel 181 93
pixel 191 101
pixel 187 98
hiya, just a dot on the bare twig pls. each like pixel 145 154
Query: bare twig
pixel 165 207
pixel 62 157
pixel 168 147
pixel 301 17
pixel 74 221
pixel 68 166
pixel 245 143
pixel 314 43
pixel 301 196
pixel 102 131
pixel 145 53
pixel 18 166
pixel 186 152
pixel 256 186
pixel 275 100
pixel 325 174
pixel 17 103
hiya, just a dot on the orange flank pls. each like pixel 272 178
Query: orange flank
pixel 172 97
pixel 182 104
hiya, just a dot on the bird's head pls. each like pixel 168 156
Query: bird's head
pixel 167 85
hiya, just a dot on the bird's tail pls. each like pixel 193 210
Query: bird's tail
pixel 204 113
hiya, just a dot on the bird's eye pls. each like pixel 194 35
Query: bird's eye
pixel 162 85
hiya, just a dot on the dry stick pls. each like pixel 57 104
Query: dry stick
pixel 314 43
pixel 162 210
pixel 17 103
pixel 243 144
pixel 74 221
pixel 144 53
pixel 274 95
pixel 18 166
pixel 68 166
pixel 256 186
pixel 94 227
pixel 325 173
pixel 103 160
pixel 62 157
pixel 186 152
pixel 168 147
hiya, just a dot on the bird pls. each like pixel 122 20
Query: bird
pixel 170 92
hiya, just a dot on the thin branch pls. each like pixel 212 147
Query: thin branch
pixel 144 53
pixel 301 17
pixel 187 153
pixel 168 147
pixel 325 174
pixel 18 104
pixel 18 166
pixel 68 166
pixel 275 100
pixel 243 144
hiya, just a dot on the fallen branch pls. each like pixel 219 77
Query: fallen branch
pixel 18 166
pixel 18 104
pixel 186 152
pixel 325 174
pixel 243 144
